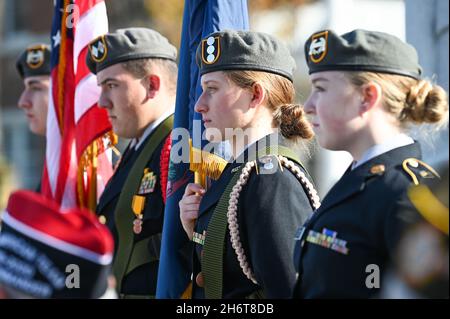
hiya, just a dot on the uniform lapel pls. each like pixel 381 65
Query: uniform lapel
pixel 129 152
pixel 114 186
pixel 354 181
pixel 213 194
pixel 350 183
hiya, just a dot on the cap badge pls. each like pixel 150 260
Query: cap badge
pixel 210 50
pixel 35 57
pixel 318 47
pixel 98 49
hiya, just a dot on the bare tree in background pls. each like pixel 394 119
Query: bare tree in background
pixel 168 21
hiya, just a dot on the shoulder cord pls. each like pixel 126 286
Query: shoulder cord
pixel 233 203
pixel 164 161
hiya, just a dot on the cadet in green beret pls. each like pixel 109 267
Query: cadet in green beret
pixel 244 224
pixel 33 66
pixel 137 72
pixel 367 90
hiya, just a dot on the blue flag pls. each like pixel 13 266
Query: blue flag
pixel 200 18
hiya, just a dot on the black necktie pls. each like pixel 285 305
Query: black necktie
pixel 128 153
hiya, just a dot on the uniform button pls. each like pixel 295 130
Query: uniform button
pixel 378 169
pixel 102 219
pixel 413 163
pixel 199 280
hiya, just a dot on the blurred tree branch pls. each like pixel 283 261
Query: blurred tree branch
pixel 167 17
pixel 273 4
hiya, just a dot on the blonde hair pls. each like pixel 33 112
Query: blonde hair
pixel 409 100
pixel 143 67
pixel 280 92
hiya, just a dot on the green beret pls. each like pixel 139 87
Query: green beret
pixel 361 50
pixel 128 44
pixel 244 50
pixel 35 60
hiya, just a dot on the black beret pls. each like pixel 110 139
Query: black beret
pixel 244 50
pixel 35 60
pixel 361 50
pixel 128 44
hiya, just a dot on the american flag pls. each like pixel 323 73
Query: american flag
pixel 79 136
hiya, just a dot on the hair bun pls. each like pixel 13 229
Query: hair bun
pixel 426 103
pixel 291 120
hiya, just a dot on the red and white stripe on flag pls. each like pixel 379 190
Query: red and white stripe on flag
pixel 78 161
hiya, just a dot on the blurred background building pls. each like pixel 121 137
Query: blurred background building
pixel 422 23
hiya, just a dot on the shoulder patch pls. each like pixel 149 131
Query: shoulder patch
pixel 415 167
pixel 268 164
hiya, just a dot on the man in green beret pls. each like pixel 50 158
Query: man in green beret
pixel 137 72
pixel 33 66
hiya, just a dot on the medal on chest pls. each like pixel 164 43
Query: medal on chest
pixel 138 206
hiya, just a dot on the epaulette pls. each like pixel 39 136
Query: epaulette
pixel 414 167
pixel 268 164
